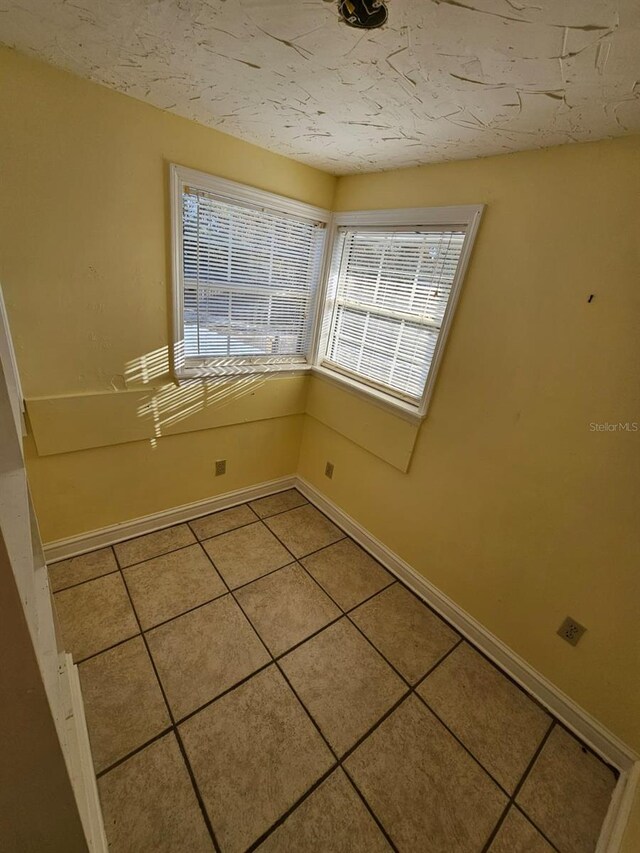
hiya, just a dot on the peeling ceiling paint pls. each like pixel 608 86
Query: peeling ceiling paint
pixel 443 80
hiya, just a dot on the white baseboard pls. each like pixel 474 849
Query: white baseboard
pixel 603 742
pixel 62 549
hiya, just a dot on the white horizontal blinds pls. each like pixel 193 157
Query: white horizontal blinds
pixel 391 294
pixel 250 277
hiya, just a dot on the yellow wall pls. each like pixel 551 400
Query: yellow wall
pixel 84 264
pixel 84 227
pixel 511 505
pixel 130 480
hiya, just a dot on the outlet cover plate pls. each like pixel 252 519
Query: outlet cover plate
pixel 571 631
pixel 221 467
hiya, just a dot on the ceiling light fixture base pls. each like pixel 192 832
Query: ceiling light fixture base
pixel 363 14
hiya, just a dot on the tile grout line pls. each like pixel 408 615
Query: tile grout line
pixel 469 642
pixel 167 730
pixel 412 689
pixel 82 583
pixel 521 810
pixel 305 556
pixel 174 727
pixel 201 604
pixel 461 743
pixel 378 722
pixel 305 501
pixel 316 726
pixel 196 541
pixel 345 536
pixel 463 639
pixel 275 659
pixel 191 521
pixel 93 655
pixel 440 660
pixel 182 613
pixel 188 522
pixel 369 808
pixel 349 752
pixel 346 613
pixel 442 618
pixel 196 790
pixel 122 569
pixel 315 551
pixel 155 556
pixel 221 695
pixel 209 600
pixel 364 600
pixel 512 797
pixel 283 817
pixel 135 565
pixel 237 506
pixel 448 624
pixel 410 686
pixel 337 758
pixel 150 628
pixel 246 678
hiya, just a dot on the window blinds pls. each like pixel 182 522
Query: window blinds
pixel 250 276
pixel 391 292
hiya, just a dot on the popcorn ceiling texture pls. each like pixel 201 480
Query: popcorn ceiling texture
pixel 444 80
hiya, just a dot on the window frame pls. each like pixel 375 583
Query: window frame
pixel 459 217
pixel 465 217
pixel 203 367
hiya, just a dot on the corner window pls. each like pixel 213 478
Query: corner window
pixel 250 294
pixel 393 284
pixel 247 266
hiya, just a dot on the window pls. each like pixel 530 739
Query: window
pixel 393 284
pixel 247 266
pixel 250 295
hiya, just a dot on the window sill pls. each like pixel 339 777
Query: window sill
pixel 230 371
pixel 409 412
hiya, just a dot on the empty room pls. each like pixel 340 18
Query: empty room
pixel 319 426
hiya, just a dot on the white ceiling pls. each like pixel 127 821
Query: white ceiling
pixel 443 80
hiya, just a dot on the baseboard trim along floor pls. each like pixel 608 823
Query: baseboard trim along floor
pixel 62 549
pixel 610 748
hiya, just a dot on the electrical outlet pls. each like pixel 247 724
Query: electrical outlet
pixel 221 467
pixel 328 470
pixel 571 631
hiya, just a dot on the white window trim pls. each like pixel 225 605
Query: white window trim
pixel 181 176
pixel 465 216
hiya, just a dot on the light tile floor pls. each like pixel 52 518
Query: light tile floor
pixel 254 680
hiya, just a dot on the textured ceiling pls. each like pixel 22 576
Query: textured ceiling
pixel 443 80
